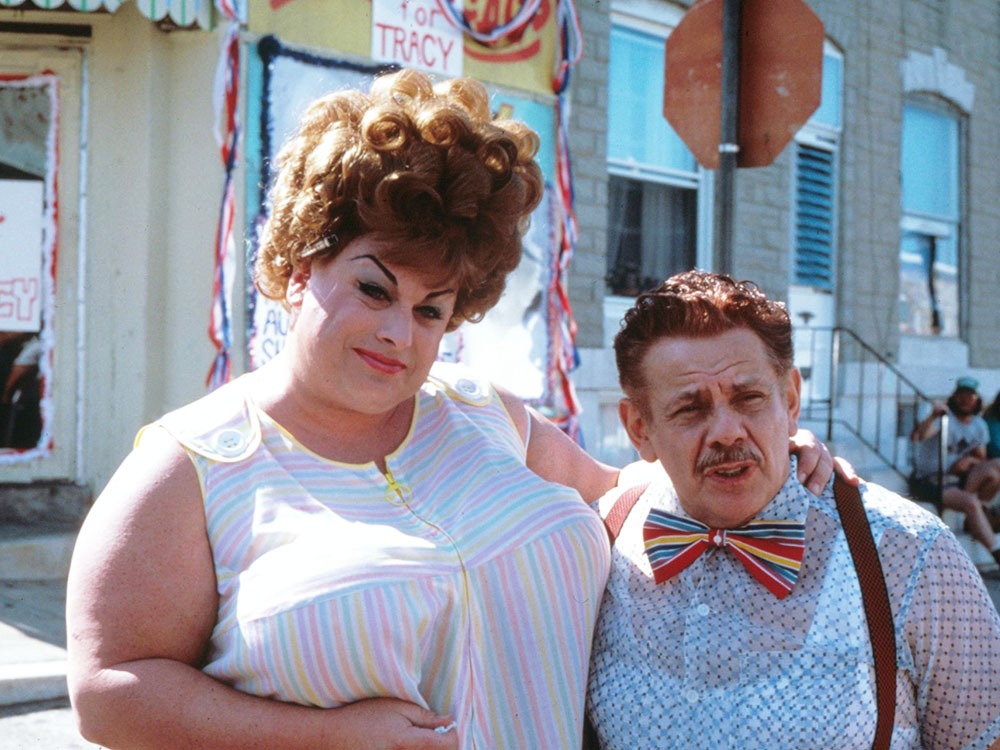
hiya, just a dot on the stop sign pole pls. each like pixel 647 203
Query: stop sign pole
pixel 725 186
pixel 740 78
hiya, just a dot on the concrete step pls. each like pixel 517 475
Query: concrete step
pixel 33 681
pixel 35 552
pixel 32 641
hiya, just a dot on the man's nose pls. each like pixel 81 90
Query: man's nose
pixel 725 427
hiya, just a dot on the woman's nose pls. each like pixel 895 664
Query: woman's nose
pixel 396 327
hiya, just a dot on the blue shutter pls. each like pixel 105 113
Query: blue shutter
pixel 814 204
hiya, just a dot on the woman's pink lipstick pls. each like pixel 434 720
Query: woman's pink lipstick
pixel 378 362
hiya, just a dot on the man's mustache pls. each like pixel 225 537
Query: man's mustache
pixel 715 456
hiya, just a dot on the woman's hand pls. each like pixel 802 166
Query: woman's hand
pixel 816 465
pixel 392 724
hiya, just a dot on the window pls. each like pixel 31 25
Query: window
pixel 816 149
pixel 656 192
pixel 40 362
pixel 929 227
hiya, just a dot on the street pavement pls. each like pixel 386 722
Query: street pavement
pixel 34 711
pixel 45 725
pixel 32 644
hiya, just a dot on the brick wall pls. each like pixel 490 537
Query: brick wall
pixel 588 144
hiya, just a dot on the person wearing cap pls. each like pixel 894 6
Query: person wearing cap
pixel 970 481
pixel 734 615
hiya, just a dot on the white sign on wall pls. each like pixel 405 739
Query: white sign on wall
pixel 416 34
pixel 21 255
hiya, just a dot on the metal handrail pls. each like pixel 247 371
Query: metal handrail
pixel 902 391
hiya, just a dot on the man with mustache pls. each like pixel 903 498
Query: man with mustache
pixel 733 615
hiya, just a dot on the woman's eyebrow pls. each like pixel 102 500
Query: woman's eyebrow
pixel 377 262
pixel 392 276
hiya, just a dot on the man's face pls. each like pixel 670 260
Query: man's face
pixel 718 419
pixel 965 402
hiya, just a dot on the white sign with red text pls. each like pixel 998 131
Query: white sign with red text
pixel 21 255
pixel 416 34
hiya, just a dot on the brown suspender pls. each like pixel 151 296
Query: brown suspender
pixel 874 595
pixel 620 510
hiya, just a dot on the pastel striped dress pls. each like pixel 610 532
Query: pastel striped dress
pixel 459 580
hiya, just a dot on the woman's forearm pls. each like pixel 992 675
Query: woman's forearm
pixel 161 703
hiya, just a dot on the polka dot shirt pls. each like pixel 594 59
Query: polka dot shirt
pixel 711 658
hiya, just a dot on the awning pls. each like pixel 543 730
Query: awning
pixel 181 12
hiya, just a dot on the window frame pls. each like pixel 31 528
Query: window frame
pixel 825 137
pixel 936 225
pixel 659 20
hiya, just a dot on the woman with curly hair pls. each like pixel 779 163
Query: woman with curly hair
pixel 355 546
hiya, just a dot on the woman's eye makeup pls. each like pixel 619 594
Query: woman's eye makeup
pixel 379 293
pixel 372 290
pixel 430 312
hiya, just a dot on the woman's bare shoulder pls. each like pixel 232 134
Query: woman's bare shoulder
pixel 142 581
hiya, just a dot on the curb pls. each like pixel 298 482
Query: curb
pixel 34 681
pixel 35 557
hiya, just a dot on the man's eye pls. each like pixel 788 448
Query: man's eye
pixel 373 290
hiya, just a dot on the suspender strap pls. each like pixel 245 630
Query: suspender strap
pixel 620 510
pixel 876 601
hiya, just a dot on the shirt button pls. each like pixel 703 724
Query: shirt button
pixel 704 610
pixel 691 696
pixel 467 387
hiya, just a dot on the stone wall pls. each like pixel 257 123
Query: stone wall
pixel 875 39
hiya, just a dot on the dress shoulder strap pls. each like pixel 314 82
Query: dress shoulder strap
pixel 222 426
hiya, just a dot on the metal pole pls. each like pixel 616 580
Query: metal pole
pixel 725 185
pixel 834 368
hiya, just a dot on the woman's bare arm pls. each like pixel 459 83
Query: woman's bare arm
pixel 141 605
pixel 553 456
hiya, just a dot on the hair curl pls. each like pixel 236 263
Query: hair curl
pixel 443 186
pixel 698 304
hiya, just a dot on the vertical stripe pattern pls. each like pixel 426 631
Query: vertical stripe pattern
pixel 476 596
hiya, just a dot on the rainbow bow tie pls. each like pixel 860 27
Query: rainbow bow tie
pixel 770 550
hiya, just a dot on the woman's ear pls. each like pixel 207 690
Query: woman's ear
pixel 297 283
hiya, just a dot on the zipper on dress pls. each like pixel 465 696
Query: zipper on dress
pixel 396 493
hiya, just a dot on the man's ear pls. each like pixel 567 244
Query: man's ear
pixel 635 425
pixel 794 397
pixel 296 288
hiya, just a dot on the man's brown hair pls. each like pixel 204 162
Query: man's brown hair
pixel 699 305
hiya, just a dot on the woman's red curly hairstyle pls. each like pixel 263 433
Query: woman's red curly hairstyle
pixel 425 169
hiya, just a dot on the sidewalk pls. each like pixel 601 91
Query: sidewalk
pixel 32 641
